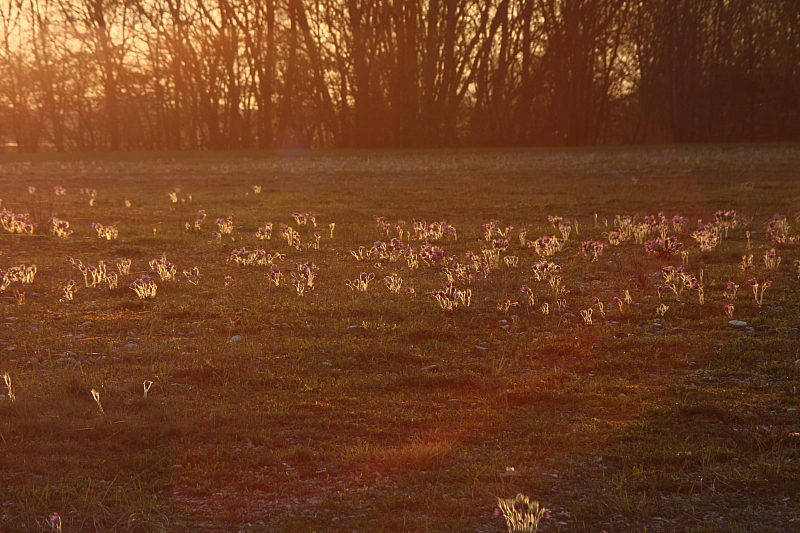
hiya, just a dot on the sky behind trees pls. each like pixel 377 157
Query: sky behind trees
pixel 235 74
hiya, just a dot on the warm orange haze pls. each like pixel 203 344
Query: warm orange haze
pixel 92 75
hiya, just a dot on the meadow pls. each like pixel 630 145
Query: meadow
pixel 391 341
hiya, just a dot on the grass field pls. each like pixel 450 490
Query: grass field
pixel 611 389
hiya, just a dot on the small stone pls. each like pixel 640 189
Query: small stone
pixel 737 323
pixel 432 368
pixel 131 346
pixel 86 325
pixel 236 338
pixel 623 396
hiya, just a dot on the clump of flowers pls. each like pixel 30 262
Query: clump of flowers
pixel 275 275
pixel 164 268
pixel 192 275
pixel 492 230
pixel 593 249
pixel 16 223
pixel 69 290
pixel 303 219
pixel 435 231
pixel 797 266
pixel 728 309
pixel 59 228
pixel 256 189
pixel 124 266
pixel 452 297
pixel 292 237
pixel 730 293
pixel 304 276
pixel 107 232
pixel 22 274
pixel 198 221
pixel 59 191
pixel 144 287
pixel 771 259
pixel 243 256
pixel 361 283
pixel 708 236
pixel 395 284
pixel 264 232
pixel 759 294
pixel 543 271
pixel 586 314
pixel 547 246
pixel 778 230
pixel 225 225
pixel 663 248
pixel 521 514
pixel 529 293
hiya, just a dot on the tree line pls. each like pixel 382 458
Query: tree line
pixel 234 74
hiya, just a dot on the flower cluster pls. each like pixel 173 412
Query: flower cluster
pixel 192 275
pixel 256 189
pixel 730 294
pixel 292 237
pixel 759 294
pixel 492 230
pixel 144 287
pixel 708 236
pixel 771 260
pixel 164 268
pixel 395 284
pixel 243 256
pixel 521 514
pixel 225 225
pixel 452 297
pixel 435 231
pixel 361 283
pixel 198 221
pixel 23 274
pixel 593 249
pixel 16 223
pixel 124 266
pixel 59 191
pixel 725 220
pixel 304 276
pixel 663 248
pixel 69 290
pixel 98 274
pixel 466 272
pixel 529 292
pixel 388 251
pixel 543 271
pixel 778 230
pixel 264 232
pixel 547 246
pixel 303 219
pixel 107 232
pixel 275 275
pixel 59 228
